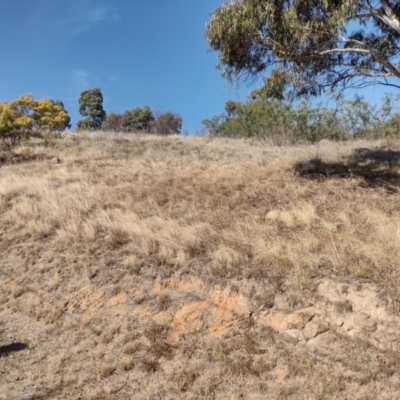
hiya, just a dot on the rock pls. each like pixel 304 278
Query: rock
pixel 274 319
pixel 299 318
pixel 314 328
pixel 323 344
pixel 353 333
pixel 365 322
pixel 282 322
pixel 290 336
pixel 280 373
pixel 338 321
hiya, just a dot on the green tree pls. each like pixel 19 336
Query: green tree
pixel 259 118
pixel 91 107
pixel 390 116
pixel 391 127
pixel 305 47
pixel 314 123
pixel 138 119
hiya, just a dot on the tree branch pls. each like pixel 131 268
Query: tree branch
pixel 344 50
pixel 376 56
pixel 389 17
pixel 386 64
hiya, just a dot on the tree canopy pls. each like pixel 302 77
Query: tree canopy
pixel 143 120
pixel 167 123
pixel 138 119
pixel 50 115
pixel 305 47
pixel 67 122
pixel 91 107
pixel 25 116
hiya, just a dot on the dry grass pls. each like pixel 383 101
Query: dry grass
pixel 106 239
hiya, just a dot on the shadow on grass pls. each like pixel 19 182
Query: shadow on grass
pixel 377 168
pixel 11 348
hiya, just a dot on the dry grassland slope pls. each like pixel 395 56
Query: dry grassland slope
pixel 142 267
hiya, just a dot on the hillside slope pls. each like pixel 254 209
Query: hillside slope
pixel 143 267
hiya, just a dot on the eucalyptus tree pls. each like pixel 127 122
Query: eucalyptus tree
pixel 138 119
pixel 91 107
pixel 304 47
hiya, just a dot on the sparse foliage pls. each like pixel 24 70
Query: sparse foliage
pixel 257 118
pixel 345 119
pixel 211 126
pixel 167 123
pixel 308 46
pixel 112 123
pixel 91 107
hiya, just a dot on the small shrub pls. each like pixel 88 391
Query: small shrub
pixel 112 123
pixel 167 123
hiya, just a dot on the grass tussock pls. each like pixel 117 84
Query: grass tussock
pixel 107 241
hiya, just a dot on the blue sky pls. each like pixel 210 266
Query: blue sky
pixel 139 53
